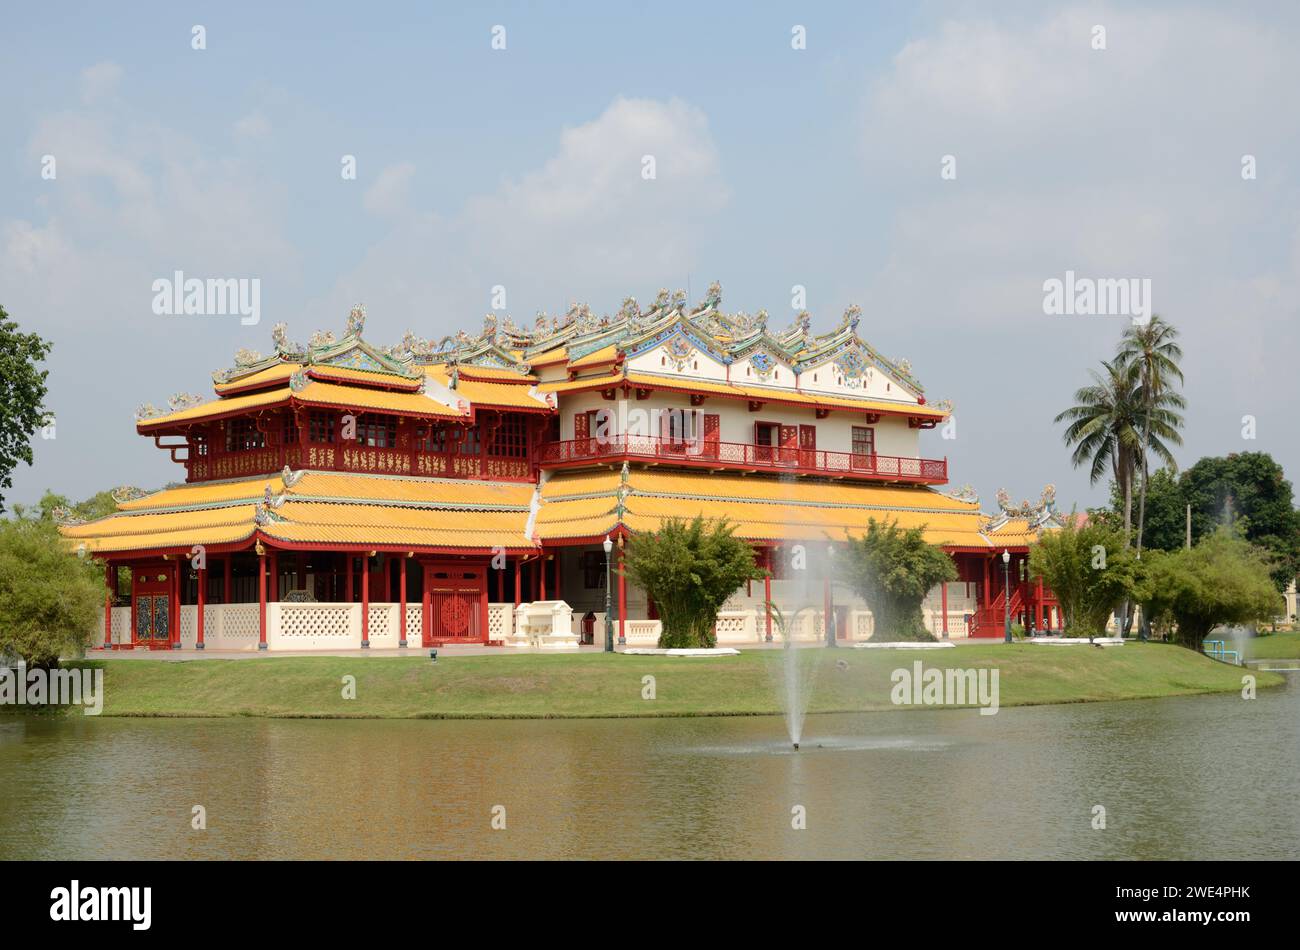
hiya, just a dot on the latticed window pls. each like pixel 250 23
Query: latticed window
pixel 289 430
pixel 431 438
pixel 320 428
pixel 510 439
pixel 377 431
pixel 243 435
pixel 864 440
pixel 470 445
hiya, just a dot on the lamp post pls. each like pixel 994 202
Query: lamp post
pixel 609 621
pixel 1006 590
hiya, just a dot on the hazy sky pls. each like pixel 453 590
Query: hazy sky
pixel 776 167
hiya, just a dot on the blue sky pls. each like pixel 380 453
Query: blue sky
pixel 777 167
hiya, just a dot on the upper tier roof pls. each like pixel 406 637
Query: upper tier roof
pixel 499 367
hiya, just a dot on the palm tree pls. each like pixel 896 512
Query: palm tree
pixel 1151 354
pixel 1105 430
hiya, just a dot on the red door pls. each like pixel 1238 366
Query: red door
pixel 807 446
pixel 789 444
pixel 151 607
pixel 711 429
pixel 455 604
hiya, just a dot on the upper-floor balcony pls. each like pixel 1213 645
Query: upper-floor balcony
pixel 743 456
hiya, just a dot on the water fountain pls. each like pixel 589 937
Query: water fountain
pixel 796 672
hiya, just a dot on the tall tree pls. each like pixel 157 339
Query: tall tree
pixel 892 569
pixel 1105 431
pixel 1223 579
pixel 1089 568
pixel 1249 492
pixel 22 396
pixel 1151 353
pixel 690 569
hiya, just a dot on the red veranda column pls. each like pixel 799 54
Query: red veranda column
pixel 261 601
pixel 401 613
pixel 202 604
pixel 518 583
pixel 365 601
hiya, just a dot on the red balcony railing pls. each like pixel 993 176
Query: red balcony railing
pixel 742 455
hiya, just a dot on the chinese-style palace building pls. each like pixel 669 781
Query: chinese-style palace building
pixel 340 495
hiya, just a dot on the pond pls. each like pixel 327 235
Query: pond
pixel 1191 777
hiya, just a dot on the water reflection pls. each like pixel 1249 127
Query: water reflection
pixel 1196 777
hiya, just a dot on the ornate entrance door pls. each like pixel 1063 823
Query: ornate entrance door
pixel 455 603
pixel 151 607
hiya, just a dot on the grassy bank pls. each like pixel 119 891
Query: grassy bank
pixel 596 685
pixel 1272 646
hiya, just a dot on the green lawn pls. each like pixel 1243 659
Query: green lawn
pixel 1274 646
pixel 595 685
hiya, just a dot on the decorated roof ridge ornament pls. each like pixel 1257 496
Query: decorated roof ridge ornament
pixel 624 473
pixel 244 357
pixel 147 410
pixel 966 493
pixel 64 517
pixel 356 321
pixel 298 381
pixel 178 402
pixel 285 349
pixel 1038 515
pixel 290 477
pixel 712 297
pixel 124 493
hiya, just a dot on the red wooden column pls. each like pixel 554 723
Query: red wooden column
pixel 202 603
pixel 518 583
pixel 365 601
pixel 401 613
pixel 225 585
pixel 1038 607
pixel 110 588
pixel 176 603
pixel 622 597
pixel 541 576
pixel 767 595
pixel 943 586
pixel 261 601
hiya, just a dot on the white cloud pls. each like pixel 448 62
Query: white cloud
pixel 586 223
pixel 391 192
pixel 255 125
pixel 99 81
pixel 1118 163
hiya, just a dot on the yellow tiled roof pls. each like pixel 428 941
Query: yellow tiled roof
pixel 736 391
pixel 550 357
pixel 480 393
pixel 373 377
pixel 590 382
pixel 310 522
pixel 207 494
pixel 182 529
pixel 354 397
pixel 775 394
pixel 762 508
pixel 606 354
pixel 264 377
pixel 219 407
pixel 494 373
